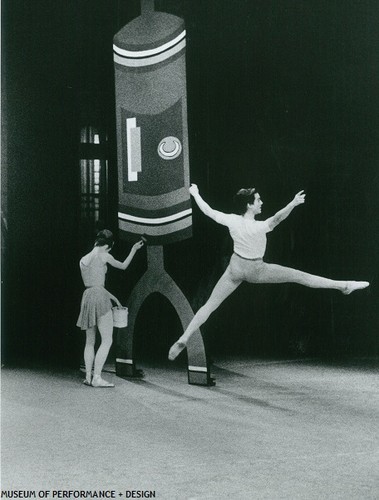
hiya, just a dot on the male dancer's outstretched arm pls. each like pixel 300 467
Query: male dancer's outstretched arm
pixel 284 212
pixel 204 207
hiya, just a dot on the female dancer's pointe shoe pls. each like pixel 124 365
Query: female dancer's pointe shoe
pixel 175 350
pixel 351 286
pixel 99 382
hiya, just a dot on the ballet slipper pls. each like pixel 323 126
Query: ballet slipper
pixel 97 381
pixel 175 350
pixel 87 382
pixel 351 286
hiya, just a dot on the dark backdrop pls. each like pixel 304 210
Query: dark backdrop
pixel 282 95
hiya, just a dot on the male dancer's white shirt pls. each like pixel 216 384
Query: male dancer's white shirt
pixel 249 236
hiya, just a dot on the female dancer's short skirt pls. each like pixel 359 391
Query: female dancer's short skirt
pixel 96 302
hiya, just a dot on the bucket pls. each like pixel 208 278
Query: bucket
pixel 120 317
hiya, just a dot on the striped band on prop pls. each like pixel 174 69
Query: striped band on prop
pixel 155 220
pixel 155 227
pixel 197 368
pixel 138 58
pixel 125 361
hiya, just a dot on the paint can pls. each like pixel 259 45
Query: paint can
pixel 120 317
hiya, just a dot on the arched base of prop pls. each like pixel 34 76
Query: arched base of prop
pixel 155 280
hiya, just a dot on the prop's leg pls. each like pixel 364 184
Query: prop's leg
pixel 198 371
pixel 125 363
pixel 154 280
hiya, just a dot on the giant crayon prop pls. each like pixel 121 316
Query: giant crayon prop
pixel 152 138
pixel 153 166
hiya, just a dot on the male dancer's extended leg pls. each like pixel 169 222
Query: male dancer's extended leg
pixel 224 287
pixel 272 273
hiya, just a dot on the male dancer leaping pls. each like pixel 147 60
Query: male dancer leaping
pixel 246 263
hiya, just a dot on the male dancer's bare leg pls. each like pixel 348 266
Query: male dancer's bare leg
pixel 224 287
pixel 272 273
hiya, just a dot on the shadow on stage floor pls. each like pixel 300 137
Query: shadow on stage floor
pixel 268 429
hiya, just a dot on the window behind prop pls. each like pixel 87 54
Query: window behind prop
pixel 94 180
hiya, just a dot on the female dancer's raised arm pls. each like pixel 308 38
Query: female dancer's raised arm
pixel 109 259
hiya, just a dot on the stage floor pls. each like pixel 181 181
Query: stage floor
pixel 268 430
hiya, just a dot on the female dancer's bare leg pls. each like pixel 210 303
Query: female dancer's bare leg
pixel 105 326
pixel 224 287
pixel 89 353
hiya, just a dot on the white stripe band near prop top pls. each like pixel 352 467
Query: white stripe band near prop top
pixel 157 220
pixel 149 52
pixel 149 61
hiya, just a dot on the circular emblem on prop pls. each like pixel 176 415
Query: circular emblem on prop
pixel 169 148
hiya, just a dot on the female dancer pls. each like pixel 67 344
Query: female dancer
pixel 96 306
pixel 246 263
